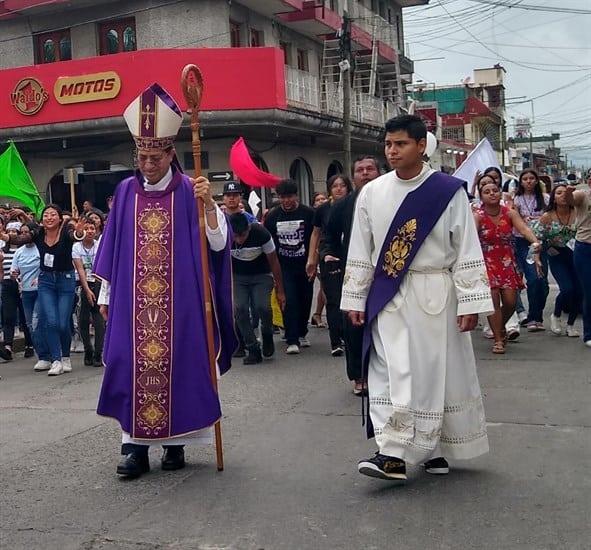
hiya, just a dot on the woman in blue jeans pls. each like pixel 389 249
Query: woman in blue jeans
pixel 25 269
pixel 581 200
pixel 530 202
pixel 556 230
pixel 57 282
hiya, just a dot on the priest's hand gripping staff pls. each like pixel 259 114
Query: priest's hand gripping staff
pixel 192 86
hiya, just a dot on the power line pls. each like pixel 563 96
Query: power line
pixel 568 85
pixel 552 67
pixel 505 45
pixel 533 7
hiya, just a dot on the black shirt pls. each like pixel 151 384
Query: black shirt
pixel 291 232
pixel 338 228
pixel 250 258
pixel 59 256
pixel 321 217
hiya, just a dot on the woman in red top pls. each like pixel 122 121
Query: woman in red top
pixel 495 223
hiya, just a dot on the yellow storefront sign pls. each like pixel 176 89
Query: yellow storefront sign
pixel 88 87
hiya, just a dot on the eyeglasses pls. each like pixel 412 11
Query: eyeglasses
pixel 152 159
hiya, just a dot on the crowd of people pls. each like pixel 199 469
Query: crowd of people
pixel 537 228
pixel 48 289
pixel 389 282
pixel 50 292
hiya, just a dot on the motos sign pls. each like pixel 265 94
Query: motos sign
pixel 89 87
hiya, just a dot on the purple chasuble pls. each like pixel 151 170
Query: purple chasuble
pixel 157 382
pixel 415 218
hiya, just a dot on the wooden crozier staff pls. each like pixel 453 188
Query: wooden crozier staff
pixel 192 86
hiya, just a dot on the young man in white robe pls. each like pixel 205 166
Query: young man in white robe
pixel 424 395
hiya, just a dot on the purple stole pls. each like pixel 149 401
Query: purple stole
pixel 414 220
pixel 153 313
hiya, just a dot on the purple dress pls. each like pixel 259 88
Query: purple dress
pixel 157 382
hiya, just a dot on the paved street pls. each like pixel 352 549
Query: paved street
pixel 292 439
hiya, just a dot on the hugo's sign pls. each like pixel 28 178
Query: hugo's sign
pixel 89 87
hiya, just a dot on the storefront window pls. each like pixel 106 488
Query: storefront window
pixel 48 51
pixel 53 46
pixel 65 48
pixel 129 39
pixel 117 36
pixel 112 41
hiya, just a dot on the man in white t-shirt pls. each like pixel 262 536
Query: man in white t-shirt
pixel 83 255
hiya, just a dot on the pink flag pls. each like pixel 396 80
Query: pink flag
pixel 245 169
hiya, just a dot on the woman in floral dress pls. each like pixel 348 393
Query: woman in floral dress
pixel 495 224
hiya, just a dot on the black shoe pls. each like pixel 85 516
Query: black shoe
pixel 5 354
pixel 173 458
pixel 97 361
pixel 29 352
pixel 88 359
pixel 254 356
pixel 133 465
pixel 240 352
pixel 438 466
pixel 337 351
pixel 268 346
pixel 383 467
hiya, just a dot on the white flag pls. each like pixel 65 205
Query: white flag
pixel 254 201
pixel 479 159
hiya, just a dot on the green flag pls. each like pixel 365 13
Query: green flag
pixel 16 182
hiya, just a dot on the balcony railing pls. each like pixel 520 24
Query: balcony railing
pixel 302 89
pixel 374 24
pixel 369 109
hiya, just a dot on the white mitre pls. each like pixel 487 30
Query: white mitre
pixel 153 118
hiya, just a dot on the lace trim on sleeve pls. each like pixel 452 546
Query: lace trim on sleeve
pixel 470 264
pixel 357 279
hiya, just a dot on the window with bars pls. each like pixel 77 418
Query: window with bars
pixel 453 133
pixel 303 60
pixel 286 48
pixel 117 36
pixel 235 32
pixel 256 38
pixel 53 46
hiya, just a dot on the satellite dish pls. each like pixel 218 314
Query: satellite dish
pixel 431 144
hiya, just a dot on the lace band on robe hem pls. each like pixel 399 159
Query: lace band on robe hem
pixel 410 442
pixel 383 401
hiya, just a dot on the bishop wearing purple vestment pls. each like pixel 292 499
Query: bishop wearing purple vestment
pixel 157 381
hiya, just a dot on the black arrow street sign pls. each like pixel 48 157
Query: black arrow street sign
pixel 221 176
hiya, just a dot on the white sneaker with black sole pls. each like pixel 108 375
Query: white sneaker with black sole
pixel 292 349
pixel 304 343
pixel 437 466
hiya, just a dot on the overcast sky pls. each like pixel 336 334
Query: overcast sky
pixel 541 51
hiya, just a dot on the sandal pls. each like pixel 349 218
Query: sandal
pixel 316 321
pixel 499 348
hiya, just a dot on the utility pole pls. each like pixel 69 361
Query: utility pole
pixel 345 67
